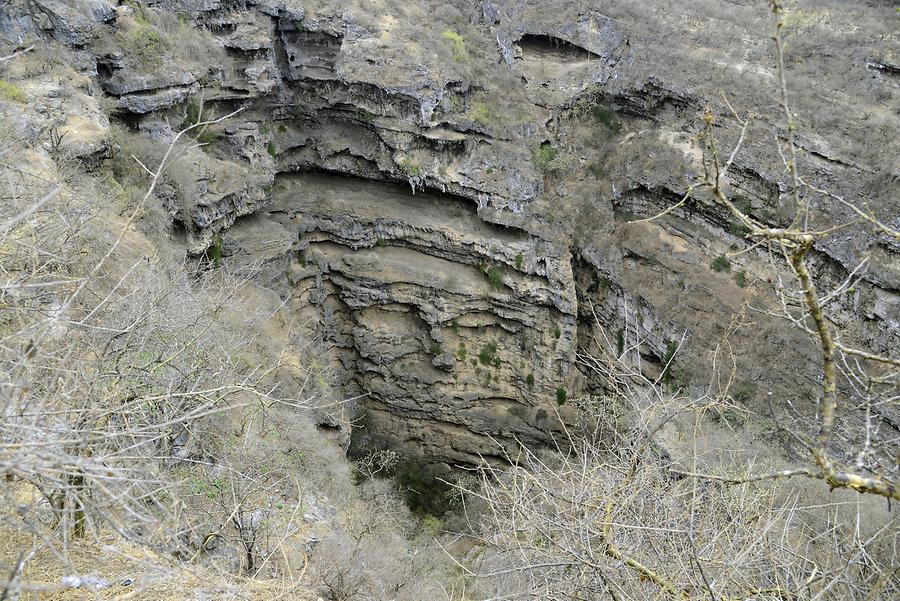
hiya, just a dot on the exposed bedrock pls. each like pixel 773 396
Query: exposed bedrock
pixel 453 333
pixel 449 202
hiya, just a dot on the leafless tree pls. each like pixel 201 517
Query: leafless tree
pixel 613 515
pixel 114 373
pixel 608 517
pixel 853 380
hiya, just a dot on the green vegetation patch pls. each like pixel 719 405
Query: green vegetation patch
pixel 742 390
pixel 12 92
pixel 561 395
pixel 671 376
pixel 481 113
pixel 736 228
pixel 209 137
pixel 607 117
pixel 425 488
pixel 549 160
pixel 214 252
pixel 488 354
pixel 144 42
pixel 544 156
pixel 191 114
pixel 494 275
pixel 720 263
pixel 457 45
pixel 410 167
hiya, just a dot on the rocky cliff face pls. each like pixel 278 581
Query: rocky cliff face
pixel 446 192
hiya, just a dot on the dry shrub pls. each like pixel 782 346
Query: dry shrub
pixel 153 39
pixel 120 372
pixel 611 518
pixel 155 408
pixel 378 553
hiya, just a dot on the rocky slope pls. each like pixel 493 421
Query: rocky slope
pixel 445 192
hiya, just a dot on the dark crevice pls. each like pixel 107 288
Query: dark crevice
pixel 554 48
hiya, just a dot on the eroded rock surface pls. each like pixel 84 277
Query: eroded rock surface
pixel 446 327
pixel 387 172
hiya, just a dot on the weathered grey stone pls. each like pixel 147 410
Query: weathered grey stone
pixel 154 101
pixel 468 240
pixel 125 82
pixel 74 21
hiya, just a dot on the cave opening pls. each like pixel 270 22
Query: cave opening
pixel 554 48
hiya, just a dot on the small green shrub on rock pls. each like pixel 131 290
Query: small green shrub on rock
pixel 426 490
pixel 209 137
pixel 743 390
pixel 214 252
pixel 667 361
pixel 191 114
pixel 487 354
pixel 457 45
pixel 736 228
pixel 549 160
pixel 410 168
pixel 561 396
pixel 12 92
pixel 480 113
pixel 543 156
pixel 720 263
pixel 144 43
pixel 494 275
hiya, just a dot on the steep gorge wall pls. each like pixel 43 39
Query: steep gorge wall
pixel 437 351
pixel 387 182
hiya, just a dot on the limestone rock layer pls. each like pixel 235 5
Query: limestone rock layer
pixel 450 194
